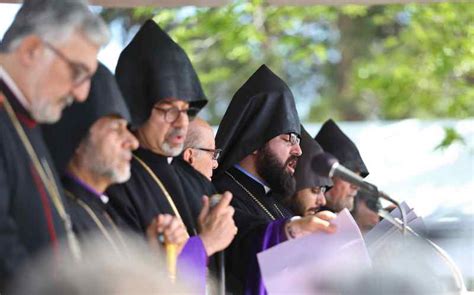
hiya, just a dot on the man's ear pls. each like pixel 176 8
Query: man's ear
pixel 188 155
pixel 30 50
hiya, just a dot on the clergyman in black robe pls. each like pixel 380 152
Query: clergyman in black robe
pixel 33 216
pixel 310 187
pixel 150 69
pixel 29 221
pixel 162 91
pixel 259 138
pixel 335 142
pixel 92 148
pixel 87 202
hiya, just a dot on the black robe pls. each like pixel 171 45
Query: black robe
pixel 252 221
pixel 83 223
pixel 194 184
pixel 29 222
pixel 140 199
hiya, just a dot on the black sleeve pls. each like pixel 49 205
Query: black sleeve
pixel 12 251
pixel 124 208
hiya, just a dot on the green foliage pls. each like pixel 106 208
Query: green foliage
pixel 426 70
pixel 450 136
pixel 349 62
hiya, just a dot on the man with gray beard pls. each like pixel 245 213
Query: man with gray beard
pixel 163 93
pixel 335 142
pixel 47 57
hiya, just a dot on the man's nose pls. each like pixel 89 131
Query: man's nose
pixel 132 141
pixel 181 121
pixel 296 150
pixel 320 199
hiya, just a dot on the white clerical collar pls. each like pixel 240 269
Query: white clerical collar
pixel 241 169
pixel 14 88
pixel 169 159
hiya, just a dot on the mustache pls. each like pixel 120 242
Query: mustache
pixel 126 155
pixel 314 210
pixel 290 159
pixel 176 132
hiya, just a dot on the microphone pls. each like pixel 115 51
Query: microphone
pixel 326 165
pixel 213 201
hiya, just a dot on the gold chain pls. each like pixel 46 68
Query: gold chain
pixel 160 184
pixel 252 196
pixel 48 180
pixel 97 221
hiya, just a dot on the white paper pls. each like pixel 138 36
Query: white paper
pixel 296 266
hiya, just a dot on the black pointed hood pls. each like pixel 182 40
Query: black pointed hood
pixel 304 174
pixel 153 67
pixel 261 109
pixel 63 137
pixel 334 141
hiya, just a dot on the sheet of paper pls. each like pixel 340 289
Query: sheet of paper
pixel 296 266
pixel 385 226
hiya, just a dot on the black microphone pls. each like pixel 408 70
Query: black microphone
pixel 213 201
pixel 326 165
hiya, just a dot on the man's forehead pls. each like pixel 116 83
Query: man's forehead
pixel 109 119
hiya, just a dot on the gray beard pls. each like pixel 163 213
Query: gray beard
pixel 170 151
pixel 42 111
pixel 114 175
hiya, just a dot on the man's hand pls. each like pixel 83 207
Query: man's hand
pixel 216 225
pixel 320 222
pixel 172 229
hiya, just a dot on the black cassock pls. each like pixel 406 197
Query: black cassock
pixel 194 184
pixel 140 199
pixel 91 215
pixel 260 110
pixel 29 221
pixel 259 229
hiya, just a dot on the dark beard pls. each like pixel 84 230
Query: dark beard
pixel 269 167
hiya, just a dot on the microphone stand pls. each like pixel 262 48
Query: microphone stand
pixel 221 265
pixel 402 226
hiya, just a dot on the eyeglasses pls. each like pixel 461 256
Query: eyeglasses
pixel 215 153
pixel 79 72
pixel 172 114
pixel 293 139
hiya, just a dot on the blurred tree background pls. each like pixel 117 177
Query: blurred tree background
pixel 345 62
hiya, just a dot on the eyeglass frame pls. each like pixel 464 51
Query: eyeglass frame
pixel 78 70
pixel 216 153
pixel 293 139
pixel 191 112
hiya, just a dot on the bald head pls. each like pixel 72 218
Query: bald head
pixel 199 147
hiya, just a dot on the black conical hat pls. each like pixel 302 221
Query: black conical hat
pixel 63 137
pixel 153 67
pixel 334 141
pixel 261 109
pixel 304 174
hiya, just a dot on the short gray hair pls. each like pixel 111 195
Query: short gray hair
pixel 55 21
pixel 194 136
